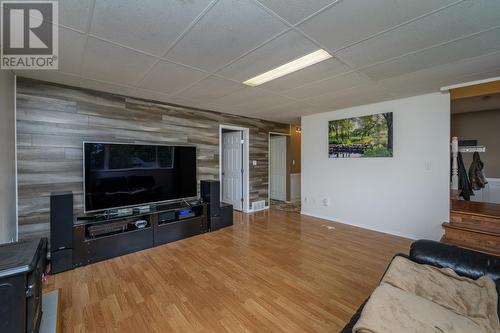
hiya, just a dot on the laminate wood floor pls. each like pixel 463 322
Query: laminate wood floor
pixel 272 271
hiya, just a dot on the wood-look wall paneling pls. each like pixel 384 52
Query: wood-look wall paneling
pixel 54 120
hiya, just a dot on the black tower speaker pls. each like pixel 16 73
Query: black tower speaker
pixel 61 231
pixel 210 194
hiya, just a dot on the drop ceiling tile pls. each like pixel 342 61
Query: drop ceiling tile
pixel 470 77
pixel 210 88
pixel 477 45
pixel 71 46
pixel 146 25
pixel 193 104
pixel 332 84
pixel 107 62
pixel 75 13
pixel 350 101
pixel 460 20
pixel 295 10
pixel 255 97
pixel 319 71
pixel 432 79
pixel 294 107
pixel 105 86
pixel 293 110
pixel 285 119
pixel 149 95
pixel 265 103
pixel 227 31
pixel 365 93
pixel 350 21
pixel 279 51
pixel 169 78
pixel 420 89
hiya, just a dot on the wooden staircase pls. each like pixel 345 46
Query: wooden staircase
pixel 474 225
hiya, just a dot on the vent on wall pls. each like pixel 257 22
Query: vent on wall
pixel 258 205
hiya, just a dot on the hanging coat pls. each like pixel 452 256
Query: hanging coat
pixel 463 181
pixel 476 175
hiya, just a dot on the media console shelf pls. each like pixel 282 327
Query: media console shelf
pixel 100 238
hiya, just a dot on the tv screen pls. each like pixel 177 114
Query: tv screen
pixel 119 175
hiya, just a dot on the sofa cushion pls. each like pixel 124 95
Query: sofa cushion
pixel 393 310
pixel 422 298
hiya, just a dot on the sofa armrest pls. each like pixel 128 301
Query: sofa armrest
pixel 464 262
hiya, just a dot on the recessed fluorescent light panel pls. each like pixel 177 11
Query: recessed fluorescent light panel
pixel 290 67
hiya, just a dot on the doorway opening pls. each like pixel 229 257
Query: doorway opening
pixel 233 166
pixel 474 221
pixel 475 115
pixel 278 169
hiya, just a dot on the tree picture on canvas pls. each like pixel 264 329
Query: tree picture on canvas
pixel 366 136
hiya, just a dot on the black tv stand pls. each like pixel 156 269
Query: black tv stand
pixel 105 236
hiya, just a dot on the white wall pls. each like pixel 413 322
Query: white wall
pixel 8 201
pixel 407 195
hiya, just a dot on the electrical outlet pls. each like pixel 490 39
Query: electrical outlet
pixel 254 162
pixel 326 202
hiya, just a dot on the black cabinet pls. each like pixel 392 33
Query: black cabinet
pixel 21 267
pixel 170 230
pixel 224 220
pixel 96 240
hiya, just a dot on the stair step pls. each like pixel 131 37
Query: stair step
pixel 479 240
pixel 471 221
pixel 470 215
pixel 472 228
pixel 484 209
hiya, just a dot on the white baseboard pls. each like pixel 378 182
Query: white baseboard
pixel 383 230
pixel 255 211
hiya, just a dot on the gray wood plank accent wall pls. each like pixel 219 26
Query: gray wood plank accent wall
pixel 53 121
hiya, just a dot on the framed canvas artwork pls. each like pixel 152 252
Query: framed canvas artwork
pixel 366 136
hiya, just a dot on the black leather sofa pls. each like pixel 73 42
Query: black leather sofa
pixel 464 262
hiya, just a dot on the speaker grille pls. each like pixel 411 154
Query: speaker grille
pixel 61 221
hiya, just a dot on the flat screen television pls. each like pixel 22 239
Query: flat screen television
pixel 120 175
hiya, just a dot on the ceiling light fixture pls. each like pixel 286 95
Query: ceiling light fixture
pixel 290 67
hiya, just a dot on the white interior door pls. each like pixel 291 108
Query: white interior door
pixel 232 169
pixel 278 167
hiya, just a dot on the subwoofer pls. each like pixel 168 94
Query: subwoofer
pixel 225 219
pixel 61 231
pixel 210 194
